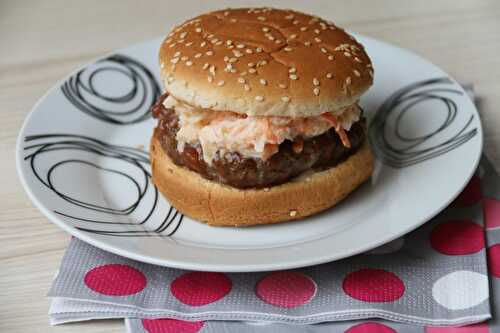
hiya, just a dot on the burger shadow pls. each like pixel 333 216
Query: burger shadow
pixel 358 206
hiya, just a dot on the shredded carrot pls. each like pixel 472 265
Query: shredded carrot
pixel 298 145
pixel 269 150
pixel 340 131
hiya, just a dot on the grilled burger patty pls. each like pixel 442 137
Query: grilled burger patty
pixel 293 158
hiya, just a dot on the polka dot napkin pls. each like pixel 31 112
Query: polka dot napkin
pixel 436 275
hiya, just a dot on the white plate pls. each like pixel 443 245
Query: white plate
pixel 81 167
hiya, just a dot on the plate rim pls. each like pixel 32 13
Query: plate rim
pixel 191 265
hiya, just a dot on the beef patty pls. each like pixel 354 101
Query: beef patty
pixel 293 158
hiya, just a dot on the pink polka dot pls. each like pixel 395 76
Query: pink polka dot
pixel 457 237
pixel 171 326
pixel 200 288
pixel 494 260
pixel 373 285
pixel 471 193
pixel 370 328
pixel 491 208
pixel 286 289
pixel 475 328
pixel 115 280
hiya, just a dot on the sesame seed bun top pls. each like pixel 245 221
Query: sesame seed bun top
pixel 263 61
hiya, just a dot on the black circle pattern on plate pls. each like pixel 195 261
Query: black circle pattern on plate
pixel 401 150
pixel 119 108
pixel 77 151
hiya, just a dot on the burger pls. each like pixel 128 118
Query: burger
pixel 260 121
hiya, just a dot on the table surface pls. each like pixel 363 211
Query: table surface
pixel 41 42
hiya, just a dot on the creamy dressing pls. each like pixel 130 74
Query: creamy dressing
pixel 250 136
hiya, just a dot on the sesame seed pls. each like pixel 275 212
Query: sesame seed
pixel 265 29
pixel 258 50
pixel 293 36
pixel 215 40
pixel 233 70
pixel 278 41
pixel 261 18
pixel 316 31
pixel 226 13
pixel 205 66
pixel 229 42
pixel 262 62
pixel 371 73
pixel 209 53
pixel 176 54
pixel 293 213
pixel 303 29
pixel 246 87
pixel 202 44
pixel 171 45
pixel 292 70
pixel 162 65
pixel 316 91
pixel 212 70
pixel 210 79
pixel 252 71
pixel 293 77
pixel 180 41
pixel 233 60
pixel 197 55
pixel 357 59
pixel 183 35
pixel 263 82
pixel 233 20
pixel 307 43
pixel 282 85
pixel 270 37
pixel 347 54
pixel 184 58
pixel 170 79
pixel 174 60
pixel 329 75
pixel 249 51
pixel 189 63
pixel 226 58
pixel 237 53
pixel 296 22
pixel 220 83
pixel 189 44
pixel 219 43
pixel 197 29
pixel 331 57
pixel 285 99
pixel 288 49
pixel 324 50
pixel 243 73
pixel 210 36
pixel 289 17
pixel 317 39
pixel 348 80
pixel 240 46
pixel 259 98
pixel 251 64
pixel 315 82
pixel 241 80
pixel 357 73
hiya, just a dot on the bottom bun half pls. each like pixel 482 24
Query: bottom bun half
pixel 221 205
